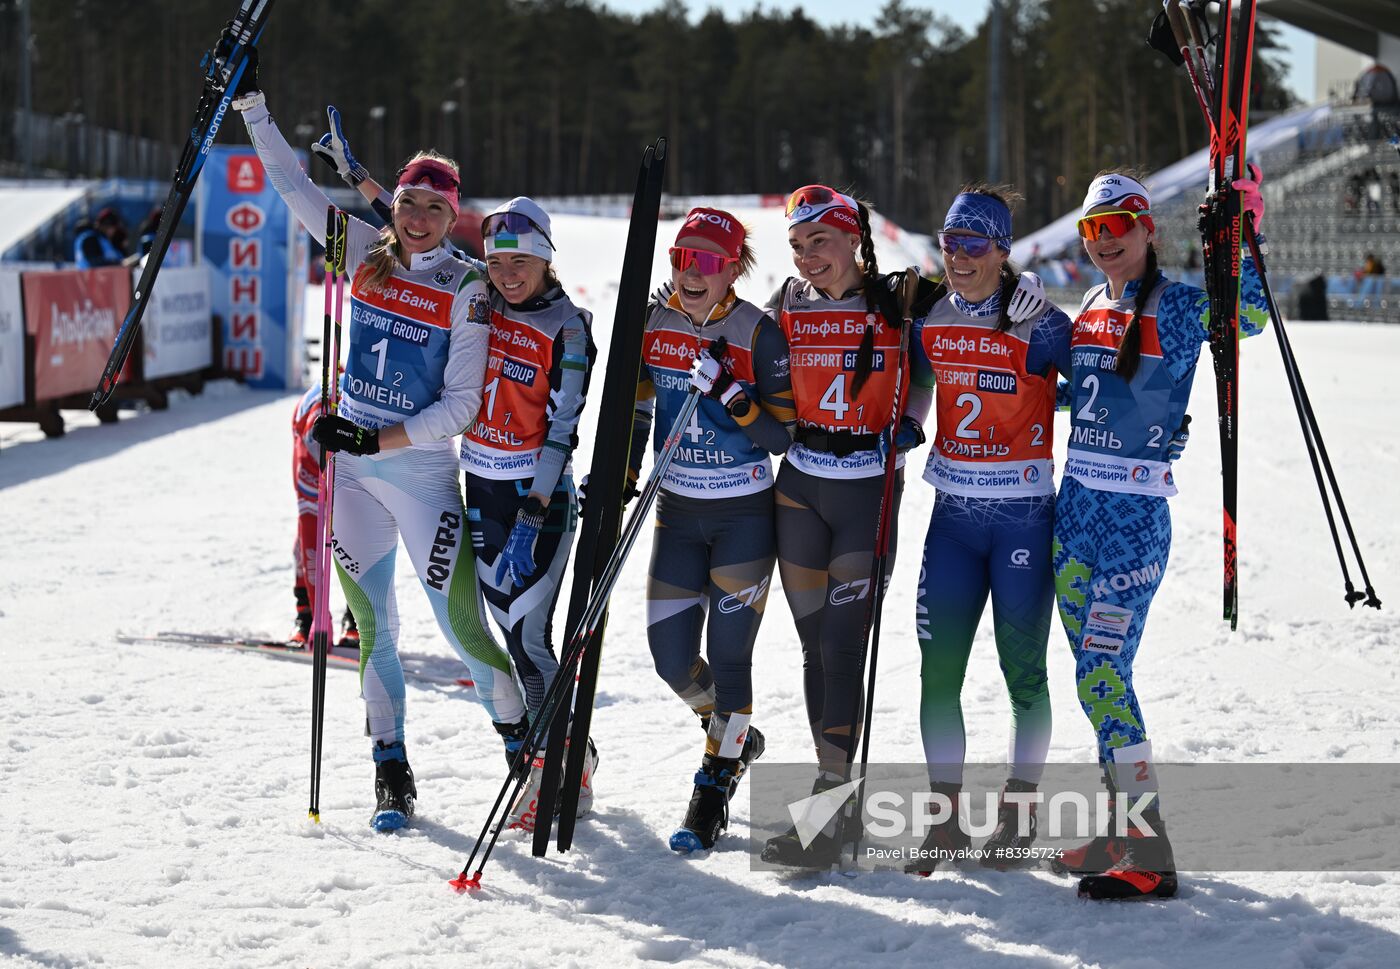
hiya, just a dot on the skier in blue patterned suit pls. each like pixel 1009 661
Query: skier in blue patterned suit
pixel 1134 348
pixel 715 544
pixel 418 333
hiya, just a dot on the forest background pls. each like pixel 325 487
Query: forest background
pixel 557 97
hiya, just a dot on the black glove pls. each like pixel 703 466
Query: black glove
pixel 628 493
pixel 335 433
pixel 248 81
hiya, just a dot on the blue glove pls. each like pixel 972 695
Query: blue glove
pixel 910 436
pixel 1064 394
pixel 334 150
pixel 1178 442
pixel 518 557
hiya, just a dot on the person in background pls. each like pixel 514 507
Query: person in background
pixel 101 242
pixel 306 476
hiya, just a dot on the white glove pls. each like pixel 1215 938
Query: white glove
pixel 709 377
pixel 1028 301
pixel 334 150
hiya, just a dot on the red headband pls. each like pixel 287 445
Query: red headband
pixel 717 226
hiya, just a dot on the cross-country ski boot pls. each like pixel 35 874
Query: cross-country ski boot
pixel 394 790
pixel 1009 846
pixel 816 846
pixel 708 814
pixel 522 812
pixel 1145 870
pixel 946 842
pixel 585 784
pixel 302 634
pixel 349 632
pixel 1096 856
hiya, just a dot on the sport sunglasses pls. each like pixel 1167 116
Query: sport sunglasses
pixel 1116 223
pixel 708 263
pixel 974 246
pixel 515 223
pixel 815 196
pixel 438 175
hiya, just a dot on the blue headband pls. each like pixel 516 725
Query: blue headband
pixel 982 214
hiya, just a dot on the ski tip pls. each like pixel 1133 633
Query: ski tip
pixel 462 884
pixel 686 842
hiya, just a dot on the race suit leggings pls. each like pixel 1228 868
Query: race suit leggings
pixel 978 547
pixel 715 556
pixel 826 544
pixel 414 495
pixel 1110 552
pixel 524 613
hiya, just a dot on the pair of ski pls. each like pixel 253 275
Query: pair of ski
pixel 223 68
pixel 599 554
pixel 1182 33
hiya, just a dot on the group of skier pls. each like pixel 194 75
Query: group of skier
pixel 441 346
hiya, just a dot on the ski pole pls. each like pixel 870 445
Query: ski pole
pixel 592 616
pixel 1312 436
pixel 336 228
pixel 874 610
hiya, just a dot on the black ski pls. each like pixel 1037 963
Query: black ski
pixel 223 69
pixel 607 484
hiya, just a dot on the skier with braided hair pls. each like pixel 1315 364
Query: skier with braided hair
pixel 842 320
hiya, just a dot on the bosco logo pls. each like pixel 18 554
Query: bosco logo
pixel 1141 474
pixel 245 218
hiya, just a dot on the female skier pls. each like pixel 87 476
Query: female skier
pixel 715 546
pixel 842 323
pixel 1134 347
pixel 522 507
pixel 991 525
pixel 419 325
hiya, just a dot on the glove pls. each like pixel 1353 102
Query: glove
pixel 1028 301
pixel 910 436
pixel 1064 394
pixel 1250 199
pixel 1178 442
pixel 518 556
pixel 248 81
pixel 628 493
pixel 335 433
pixel 713 379
pixel 662 293
pixel 334 150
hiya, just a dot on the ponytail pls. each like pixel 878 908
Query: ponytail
pixel 382 260
pixel 1130 346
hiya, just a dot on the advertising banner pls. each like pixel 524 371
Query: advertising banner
pixel 11 341
pixel 256 254
pixel 177 324
pixel 73 315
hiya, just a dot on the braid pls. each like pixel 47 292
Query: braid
pixel 870 273
pixel 1010 279
pixel 1130 346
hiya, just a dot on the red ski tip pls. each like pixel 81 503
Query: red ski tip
pixel 462 884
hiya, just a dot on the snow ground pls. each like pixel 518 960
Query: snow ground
pixel 153 797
